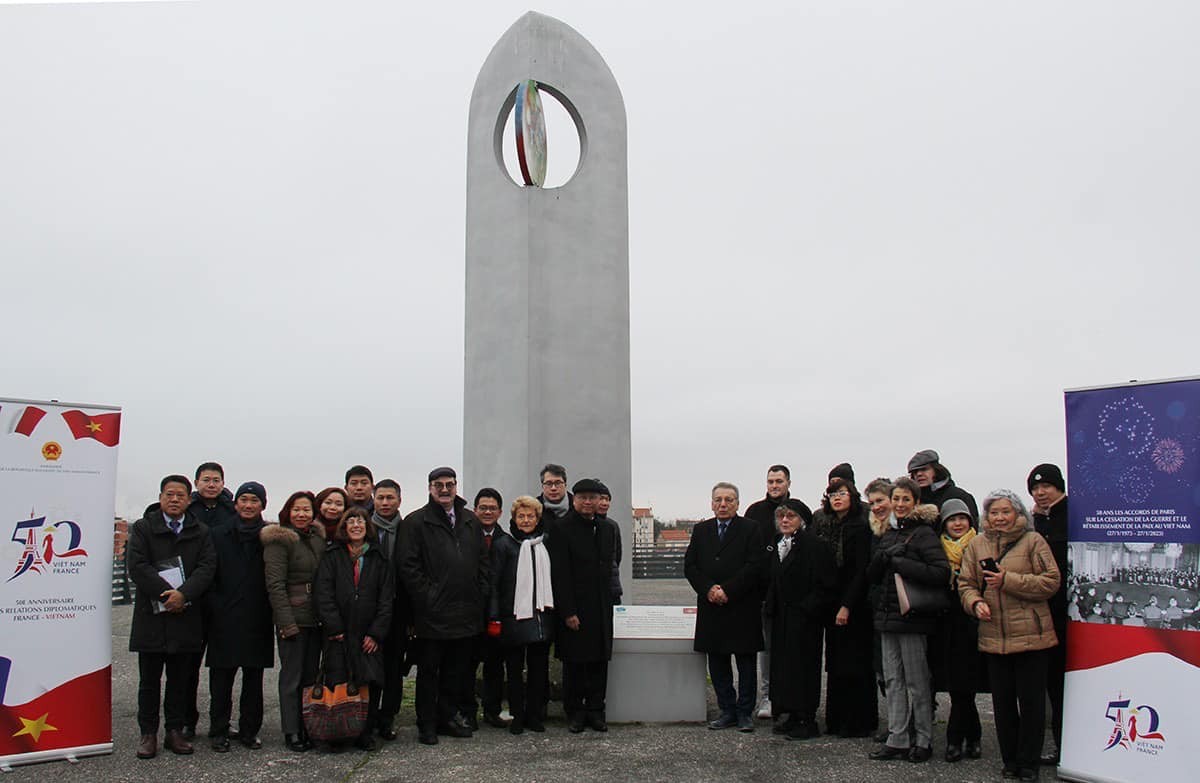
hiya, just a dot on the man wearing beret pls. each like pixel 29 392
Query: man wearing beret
pixel 1049 491
pixel 582 548
pixel 444 565
pixel 937 486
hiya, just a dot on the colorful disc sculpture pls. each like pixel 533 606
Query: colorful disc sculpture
pixel 531 134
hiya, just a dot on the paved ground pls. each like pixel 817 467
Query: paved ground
pixel 643 752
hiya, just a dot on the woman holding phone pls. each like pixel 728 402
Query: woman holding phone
pixel 1008 574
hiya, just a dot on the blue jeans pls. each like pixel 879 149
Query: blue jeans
pixel 721 671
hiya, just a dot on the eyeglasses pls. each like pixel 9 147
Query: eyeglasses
pixel 841 493
pixel 555 483
pixel 445 484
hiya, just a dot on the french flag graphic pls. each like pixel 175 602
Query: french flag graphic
pixel 20 419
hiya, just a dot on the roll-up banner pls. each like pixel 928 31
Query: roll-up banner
pixel 58 469
pixel 1132 707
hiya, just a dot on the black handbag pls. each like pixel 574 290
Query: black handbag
pixel 917 597
pixel 924 599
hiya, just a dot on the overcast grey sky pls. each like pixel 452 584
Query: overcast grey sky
pixel 857 229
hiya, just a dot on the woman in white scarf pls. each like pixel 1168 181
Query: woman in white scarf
pixel 522 612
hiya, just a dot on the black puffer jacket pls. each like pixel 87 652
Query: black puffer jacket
pixel 505 554
pixel 445 570
pixel 151 545
pixel 914 552
pixel 354 610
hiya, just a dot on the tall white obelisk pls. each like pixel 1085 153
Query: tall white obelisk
pixel 547 308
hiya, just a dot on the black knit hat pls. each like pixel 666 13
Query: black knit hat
pixel 1046 474
pixel 842 471
pixel 252 488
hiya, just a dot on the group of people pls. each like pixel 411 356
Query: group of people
pixel 348 591
pixel 907 589
pixel 902 587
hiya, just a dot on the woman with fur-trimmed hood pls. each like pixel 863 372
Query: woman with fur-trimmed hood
pixel 911 549
pixel 291 551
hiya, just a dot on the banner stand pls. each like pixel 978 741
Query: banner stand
pixel 58 467
pixel 1133 583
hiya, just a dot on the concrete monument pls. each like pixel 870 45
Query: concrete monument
pixel 547 279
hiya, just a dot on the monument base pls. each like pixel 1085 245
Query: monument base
pixel 655 675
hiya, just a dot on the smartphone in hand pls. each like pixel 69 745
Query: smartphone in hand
pixel 989 564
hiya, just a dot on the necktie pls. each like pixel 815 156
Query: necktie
pixel 176 525
pixel 721 528
pixel 450 516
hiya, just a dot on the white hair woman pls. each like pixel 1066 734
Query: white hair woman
pixel 1008 574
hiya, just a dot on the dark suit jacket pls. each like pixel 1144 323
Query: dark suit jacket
pixel 737 564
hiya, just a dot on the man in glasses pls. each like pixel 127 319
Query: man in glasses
pixel 444 565
pixel 725 564
pixel 554 498
pixel 581 557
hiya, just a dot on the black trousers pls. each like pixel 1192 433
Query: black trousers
pixel 585 684
pixel 299 658
pixel 720 669
pixel 220 706
pixel 1019 701
pixel 192 718
pixel 392 694
pixel 440 665
pixel 963 725
pixel 850 703
pixel 486 650
pixel 1056 672
pixel 528 694
pixel 175 700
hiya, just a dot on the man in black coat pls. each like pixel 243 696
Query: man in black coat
pixel 387 520
pixel 937 486
pixel 171 562
pixel 1049 490
pixel 212 505
pixel 486 649
pixel 762 513
pixel 443 562
pixel 240 628
pixel 581 549
pixel 724 564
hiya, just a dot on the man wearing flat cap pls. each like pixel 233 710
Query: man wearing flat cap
pixel 582 548
pixel 1049 491
pixel 937 486
pixel 444 564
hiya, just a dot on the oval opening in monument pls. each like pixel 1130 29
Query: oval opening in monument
pixel 564 139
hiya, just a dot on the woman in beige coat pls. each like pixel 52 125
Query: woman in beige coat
pixel 1007 575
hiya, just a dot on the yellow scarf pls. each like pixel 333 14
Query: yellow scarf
pixel 954 549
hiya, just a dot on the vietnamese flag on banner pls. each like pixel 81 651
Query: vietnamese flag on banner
pixel 28 420
pixel 104 427
pixel 75 714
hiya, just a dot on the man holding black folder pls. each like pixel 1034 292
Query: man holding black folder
pixel 172 562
